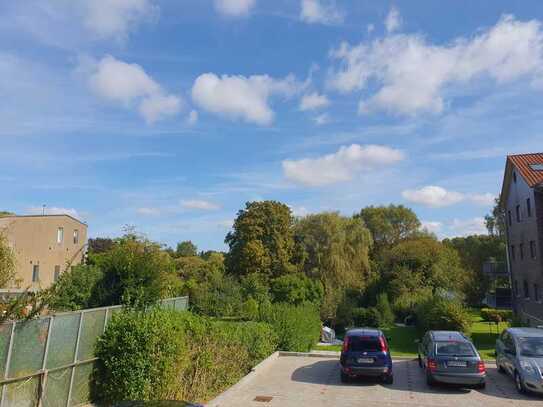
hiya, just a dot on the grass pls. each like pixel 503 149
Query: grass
pixel 402 339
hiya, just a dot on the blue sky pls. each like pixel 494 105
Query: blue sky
pixel 170 115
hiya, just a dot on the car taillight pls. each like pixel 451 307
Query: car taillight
pixel 481 367
pixel 432 365
pixel 384 346
pixel 345 344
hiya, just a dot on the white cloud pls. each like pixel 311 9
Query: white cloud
pixel 313 101
pixel 320 11
pixel 393 20
pixel 200 205
pixel 370 28
pixel 412 74
pixel 192 119
pixel 234 8
pixel 115 18
pixel 437 197
pixel 240 97
pixel 53 210
pixel 118 81
pixel 340 166
pixel 432 226
pixel 322 119
pixel 464 227
pixel 433 196
pixel 299 211
pixel 148 211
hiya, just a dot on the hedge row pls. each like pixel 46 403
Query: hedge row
pixel 496 315
pixel 172 355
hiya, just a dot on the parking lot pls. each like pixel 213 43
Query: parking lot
pixel 291 381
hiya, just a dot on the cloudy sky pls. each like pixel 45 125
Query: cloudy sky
pixel 170 115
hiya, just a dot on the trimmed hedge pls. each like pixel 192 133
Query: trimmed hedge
pixel 496 315
pixel 298 327
pixel 172 355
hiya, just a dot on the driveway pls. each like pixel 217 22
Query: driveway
pixel 294 381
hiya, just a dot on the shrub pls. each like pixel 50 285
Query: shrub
pixel 442 314
pixel 298 327
pixel 74 288
pixel 496 315
pixel 172 355
pixel 386 315
pixel 296 289
pixel 405 304
pixel 366 317
pixel 250 309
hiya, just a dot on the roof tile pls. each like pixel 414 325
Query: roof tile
pixel 523 161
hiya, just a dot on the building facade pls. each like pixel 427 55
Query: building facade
pixel 522 204
pixel 44 246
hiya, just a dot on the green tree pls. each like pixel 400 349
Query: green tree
pixel 296 289
pixel 495 221
pixel 74 288
pixel 262 241
pixel 7 262
pixel 390 224
pixel 186 249
pixel 6 213
pixel 336 252
pixel 135 272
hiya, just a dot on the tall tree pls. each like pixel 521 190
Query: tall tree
pixel 262 240
pixel 186 249
pixel 336 253
pixel 390 224
pixel 7 262
pixel 495 221
pixel 6 213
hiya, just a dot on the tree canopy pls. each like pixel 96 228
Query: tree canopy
pixel 7 262
pixel 186 249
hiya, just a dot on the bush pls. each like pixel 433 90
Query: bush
pixel 298 327
pixel 496 315
pixel 386 315
pixel 366 317
pixel 74 288
pixel 296 289
pixel 442 314
pixel 172 355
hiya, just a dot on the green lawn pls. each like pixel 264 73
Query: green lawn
pixel 402 339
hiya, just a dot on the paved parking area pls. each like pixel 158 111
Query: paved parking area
pixel 309 381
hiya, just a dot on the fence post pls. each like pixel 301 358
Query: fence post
pixel 43 376
pixel 8 360
pixel 75 358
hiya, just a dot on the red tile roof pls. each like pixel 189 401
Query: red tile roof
pixel 523 161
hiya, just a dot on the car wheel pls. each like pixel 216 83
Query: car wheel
pixel 501 368
pixel 430 381
pixel 480 386
pixel 420 361
pixel 345 377
pixel 388 379
pixel 519 384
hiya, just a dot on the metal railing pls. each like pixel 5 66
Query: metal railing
pixel 48 362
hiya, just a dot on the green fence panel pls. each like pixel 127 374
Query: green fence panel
pixel 57 388
pixel 181 304
pixel 5 334
pixel 63 340
pixel 28 347
pixel 92 327
pixel 22 393
pixel 81 385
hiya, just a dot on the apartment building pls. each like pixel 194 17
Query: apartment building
pixel 522 204
pixel 45 246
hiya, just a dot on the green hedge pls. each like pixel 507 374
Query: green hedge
pixel 496 315
pixel 172 355
pixel 442 314
pixel 298 327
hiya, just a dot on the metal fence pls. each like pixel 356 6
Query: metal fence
pixel 48 361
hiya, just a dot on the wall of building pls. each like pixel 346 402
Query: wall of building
pixel 34 240
pixel 522 233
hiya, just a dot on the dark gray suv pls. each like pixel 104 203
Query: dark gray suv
pixel 450 357
pixel 519 352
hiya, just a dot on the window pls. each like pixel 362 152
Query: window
pixel 60 235
pixel 513 254
pixel 515 287
pixel 510 218
pixel 521 250
pixel 536 293
pixel 532 249
pixel 76 236
pixel 57 273
pixel 526 290
pixel 35 273
pixel 536 167
pixel 528 207
pixel 517 210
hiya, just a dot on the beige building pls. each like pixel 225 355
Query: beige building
pixel 45 246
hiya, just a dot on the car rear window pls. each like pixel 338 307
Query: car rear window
pixel 452 348
pixel 364 344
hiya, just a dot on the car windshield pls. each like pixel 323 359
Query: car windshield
pixel 451 348
pixel 531 347
pixel 364 344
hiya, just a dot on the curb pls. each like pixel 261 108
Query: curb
pixel 244 380
pixel 330 354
